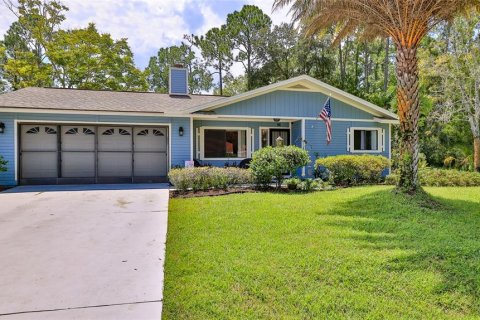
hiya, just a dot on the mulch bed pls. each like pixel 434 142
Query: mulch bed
pixel 209 193
pixel 214 193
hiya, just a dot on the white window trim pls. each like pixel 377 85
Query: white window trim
pixel 268 128
pixel 380 141
pixel 249 138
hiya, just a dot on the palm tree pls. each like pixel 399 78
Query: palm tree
pixel 406 22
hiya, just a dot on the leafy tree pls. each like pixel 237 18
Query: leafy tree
pixel 216 48
pixel 234 85
pixel 249 29
pixel 406 22
pixel 282 51
pixel 86 59
pixel 35 52
pixel 25 42
pixel 199 79
pixel 457 71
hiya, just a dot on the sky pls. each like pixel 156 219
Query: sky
pixel 151 24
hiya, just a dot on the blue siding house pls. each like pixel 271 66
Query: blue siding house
pixel 55 136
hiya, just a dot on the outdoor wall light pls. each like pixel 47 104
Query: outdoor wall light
pixel 2 127
pixel 180 131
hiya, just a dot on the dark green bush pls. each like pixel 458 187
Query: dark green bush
pixel 431 177
pixel 204 178
pixel 3 164
pixel 274 162
pixel 293 183
pixel 353 169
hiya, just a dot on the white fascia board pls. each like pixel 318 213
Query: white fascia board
pixel 383 120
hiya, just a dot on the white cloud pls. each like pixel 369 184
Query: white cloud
pixel 210 19
pixel 148 24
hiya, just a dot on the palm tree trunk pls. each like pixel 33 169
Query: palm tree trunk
pixel 408 112
pixel 476 154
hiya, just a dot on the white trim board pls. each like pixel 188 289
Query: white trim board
pixel 180 115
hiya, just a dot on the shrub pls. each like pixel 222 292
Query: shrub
pixel 3 164
pixel 204 178
pixel 293 183
pixel 353 169
pixel 309 185
pixel 431 177
pixel 274 162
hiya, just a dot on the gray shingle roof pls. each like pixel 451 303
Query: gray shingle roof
pixel 91 100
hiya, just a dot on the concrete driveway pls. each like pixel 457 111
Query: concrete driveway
pixel 82 252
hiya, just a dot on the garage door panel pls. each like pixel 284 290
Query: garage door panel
pixel 150 164
pixel 114 139
pixel 78 138
pixel 150 139
pixel 114 164
pixel 39 165
pixel 39 138
pixel 78 164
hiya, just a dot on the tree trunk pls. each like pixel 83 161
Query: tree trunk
pixel 220 75
pixel 408 112
pixel 476 154
pixel 342 68
pixel 385 64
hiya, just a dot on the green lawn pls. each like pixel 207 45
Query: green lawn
pixel 351 253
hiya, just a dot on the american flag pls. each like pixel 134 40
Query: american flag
pixel 326 115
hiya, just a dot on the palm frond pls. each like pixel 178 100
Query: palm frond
pixel 406 21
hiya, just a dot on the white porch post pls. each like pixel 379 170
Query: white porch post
pixel 191 139
pixel 303 142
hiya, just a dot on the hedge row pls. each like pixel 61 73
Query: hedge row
pixel 204 178
pixel 352 169
pixel 431 177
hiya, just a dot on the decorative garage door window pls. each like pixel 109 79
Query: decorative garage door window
pixel 49 130
pixel 36 130
pixel 86 131
pixel 111 132
pixel 155 132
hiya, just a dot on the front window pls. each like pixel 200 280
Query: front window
pixel 365 140
pixel 220 143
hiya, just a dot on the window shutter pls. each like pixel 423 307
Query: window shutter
pixel 348 140
pixel 383 140
pixel 198 143
pixel 252 143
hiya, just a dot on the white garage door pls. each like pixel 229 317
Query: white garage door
pixel 93 154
